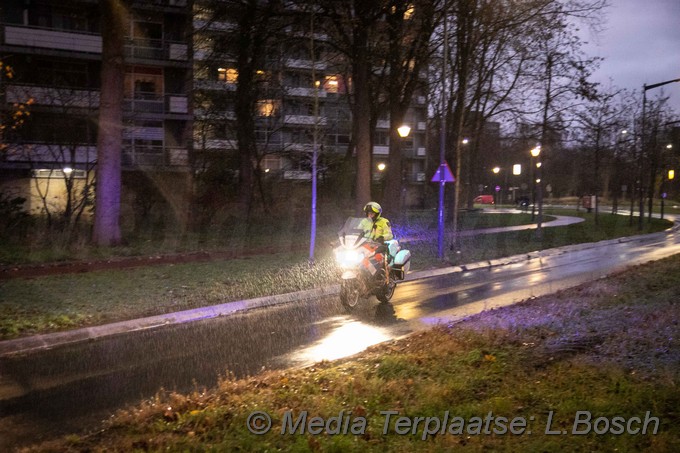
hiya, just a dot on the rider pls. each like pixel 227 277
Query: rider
pixel 376 227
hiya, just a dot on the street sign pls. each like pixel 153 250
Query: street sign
pixel 443 174
pixel 498 188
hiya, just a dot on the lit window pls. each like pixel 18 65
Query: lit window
pixel 228 75
pixel 331 84
pixel 267 107
pixel 409 12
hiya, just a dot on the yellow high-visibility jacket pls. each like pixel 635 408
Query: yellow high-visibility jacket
pixel 376 229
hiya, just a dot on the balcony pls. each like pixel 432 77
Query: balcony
pixel 154 4
pixel 304 92
pixel 217 85
pixel 297 175
pixel 45 38
pixel 154 156
pixel 306 120
pixel 156 49
pixel 156 103
pixel 53 39
pixel 294 63
pixel 49 153
pixel 58 97
pixel 299 147
pixel 213 25
pixel 215 144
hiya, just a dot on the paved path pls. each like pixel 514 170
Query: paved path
pixel 50 340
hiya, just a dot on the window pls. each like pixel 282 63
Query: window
pixel 72 74
pixel 227 75
pixel 147 31
pixel 268 107
pixel 61 18
pixel 268 136
pixel 143 83
pixel 381 138
pixel 330 84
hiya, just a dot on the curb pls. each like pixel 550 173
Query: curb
pixel 50 340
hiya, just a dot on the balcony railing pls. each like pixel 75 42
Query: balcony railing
pixel 53 39
pixel 305 120
pixel 156 103
pixel 156 49
pixel 154 156
pixel 203 84
pixel 61 97
pixel 294 63
pixel 156 3
pixel 304 92
pixel 48 38
pixel 50 153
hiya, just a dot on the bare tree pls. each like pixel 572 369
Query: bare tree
pixel 352 26
pixel 658 115
pixel 600 120
pixel 409 28
pixel 561 80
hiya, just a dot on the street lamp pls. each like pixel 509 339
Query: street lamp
pixel 646 87
pixel 403 131
pixel 535 153
pixel 496 192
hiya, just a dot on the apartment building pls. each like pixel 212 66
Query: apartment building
pixel 178 100
pixel 54 48
pixel 302 102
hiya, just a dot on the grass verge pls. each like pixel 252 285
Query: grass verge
pixel 604 351
pixel 54 303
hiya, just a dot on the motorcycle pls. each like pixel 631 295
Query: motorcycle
pixel 368 267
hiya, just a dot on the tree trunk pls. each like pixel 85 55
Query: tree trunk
pixel 109 140
pixel 362 121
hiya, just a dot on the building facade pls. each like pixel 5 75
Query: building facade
pixel 54 49
pixel 302 102
pixel 180 84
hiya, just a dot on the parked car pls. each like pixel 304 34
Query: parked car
pixel 484 199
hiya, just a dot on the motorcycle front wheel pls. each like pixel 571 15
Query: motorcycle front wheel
pixel 386 292
pixel 350 294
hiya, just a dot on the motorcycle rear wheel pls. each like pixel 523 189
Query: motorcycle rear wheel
pixel 350 295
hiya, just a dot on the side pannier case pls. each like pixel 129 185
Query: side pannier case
pixel 402 264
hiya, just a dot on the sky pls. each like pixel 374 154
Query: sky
pixel 641 45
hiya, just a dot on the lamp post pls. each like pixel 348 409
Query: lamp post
pixel 535 152
pixel 663 179
pixel 516 171
pixel 496 170
pixel 403 131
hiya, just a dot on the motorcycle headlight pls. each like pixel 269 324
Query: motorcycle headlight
pixel 348 258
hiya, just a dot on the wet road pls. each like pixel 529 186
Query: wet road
pixel 71 388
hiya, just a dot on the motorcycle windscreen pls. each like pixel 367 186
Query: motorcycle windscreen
pixel 352 232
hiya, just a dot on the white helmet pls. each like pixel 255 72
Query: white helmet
pixel 374 207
